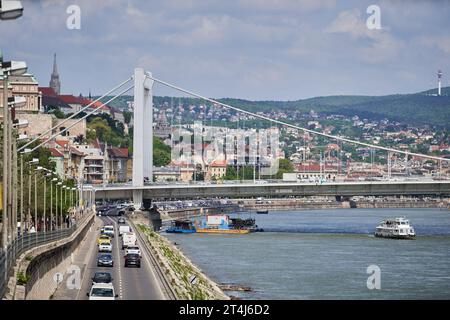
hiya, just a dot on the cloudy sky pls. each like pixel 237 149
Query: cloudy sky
pixel 251 49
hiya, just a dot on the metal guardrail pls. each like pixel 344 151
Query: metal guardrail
pixel 27 242
pixel 170 293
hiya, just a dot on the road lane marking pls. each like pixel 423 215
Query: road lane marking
pixel 118 257
pixel 150 265
pixel 87 262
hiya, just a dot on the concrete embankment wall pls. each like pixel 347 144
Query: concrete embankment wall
pixel 400 204
pixel 296 205
pixel 41 264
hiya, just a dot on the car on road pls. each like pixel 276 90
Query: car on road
pixel 124 229
pixel 121 220
pixel 109 230
pixel 132 259
pixel 128 239
pixel 133 249
pixel 102 277
pixel 105 247
pixel 103 239
pixel 102 291
pixel 105 260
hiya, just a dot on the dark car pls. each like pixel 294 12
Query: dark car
pixel 105 260
pixel 102 277
pixel 132 259
pixel 121 220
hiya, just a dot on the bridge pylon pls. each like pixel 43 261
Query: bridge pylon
pixel 142 132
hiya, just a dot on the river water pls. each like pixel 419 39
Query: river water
pixel 324 254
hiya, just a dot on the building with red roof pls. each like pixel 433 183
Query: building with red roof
pixel 117 164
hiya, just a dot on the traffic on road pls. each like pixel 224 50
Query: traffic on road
pixel 117 268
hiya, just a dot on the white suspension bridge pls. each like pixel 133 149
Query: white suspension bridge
pixel 142 82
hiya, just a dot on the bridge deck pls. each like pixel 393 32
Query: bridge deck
pixel 192 191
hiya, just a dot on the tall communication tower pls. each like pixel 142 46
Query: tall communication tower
pixel 439 74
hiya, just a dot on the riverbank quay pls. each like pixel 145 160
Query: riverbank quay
pixel 301 204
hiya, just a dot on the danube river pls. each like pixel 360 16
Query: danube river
pixel 324 254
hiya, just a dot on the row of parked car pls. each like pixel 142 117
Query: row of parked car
pixel 102 282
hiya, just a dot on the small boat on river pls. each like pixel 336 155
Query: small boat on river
pixel 181 226
pixel 398 228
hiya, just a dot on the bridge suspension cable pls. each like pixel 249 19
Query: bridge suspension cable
pixel 295 126
pixel 80 119
pixel 73 115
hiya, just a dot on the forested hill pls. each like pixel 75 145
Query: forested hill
pixel 415 109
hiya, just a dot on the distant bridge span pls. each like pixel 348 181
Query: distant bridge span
pixel 248 190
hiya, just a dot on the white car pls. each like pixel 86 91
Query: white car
pixel 124 229
pixel 133 249
pixel 128 240
pixel 109 230
pixel 102 291
pixel 105 247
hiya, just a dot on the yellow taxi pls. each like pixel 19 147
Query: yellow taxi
pixel 104 239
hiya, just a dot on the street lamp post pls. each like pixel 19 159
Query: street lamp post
pixel 21 196
pixel 56 205
pixel 51 203
pixel 34 161
pixel 45 202
pixel 8 68
pixel 61 205
pixel 5 163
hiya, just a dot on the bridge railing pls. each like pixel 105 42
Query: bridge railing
pixel 311 181
pixel 26 242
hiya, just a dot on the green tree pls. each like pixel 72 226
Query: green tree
pixel 284 166
pixel 161 153
pixel 127 116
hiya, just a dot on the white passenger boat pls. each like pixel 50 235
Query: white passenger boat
pixel 398 228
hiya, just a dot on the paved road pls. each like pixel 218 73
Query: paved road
pixel 129 283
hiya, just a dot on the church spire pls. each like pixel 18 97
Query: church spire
pixel 55 83
pixel 55 68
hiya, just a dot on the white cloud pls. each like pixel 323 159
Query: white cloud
pixel 376 45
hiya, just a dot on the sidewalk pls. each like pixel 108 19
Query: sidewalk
pixel 81 259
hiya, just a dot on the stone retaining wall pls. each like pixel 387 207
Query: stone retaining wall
pixel 39 265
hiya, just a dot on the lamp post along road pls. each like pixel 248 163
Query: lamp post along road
pixel 29 200
pixel 35 206
pixel 5 167
pixel 21 196
pixel 61 221
pixel 56 205
pixel 15 186
pixel 45 202
pixel 51 203
pixel 10 176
